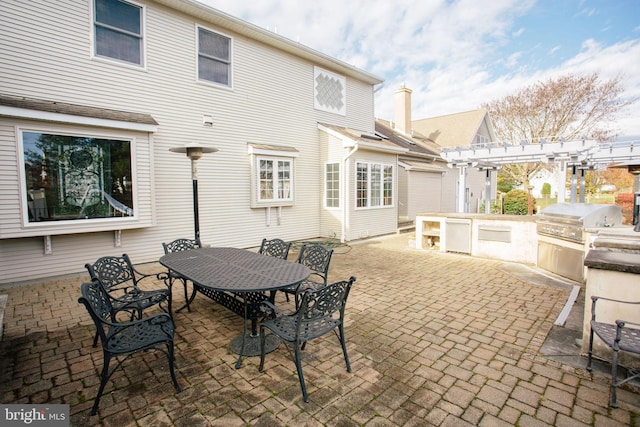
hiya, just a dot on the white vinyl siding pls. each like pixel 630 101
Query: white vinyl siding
pixel 271 102
pixel 424 193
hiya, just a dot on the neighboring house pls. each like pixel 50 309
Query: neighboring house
pixel 541 177
pixel 94 93
pixel 425 182
pixel 463 130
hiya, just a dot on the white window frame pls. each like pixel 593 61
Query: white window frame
pixel 142 36
pixel 229 85
pixel 375 201
pixel 73 223
pixel 335 187
pixel 279 185
pixel 275 154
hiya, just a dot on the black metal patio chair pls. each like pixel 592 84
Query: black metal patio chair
pixel 318 259
pixel 125 338
pixel 319 312
pixel 277 248
pixel 619 337
pixel 121 282
pixel 176 246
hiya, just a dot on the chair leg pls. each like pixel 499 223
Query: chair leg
pixel 103 382
pixel 298 360
pixel 171 370
pixel 590 353
pixel 614 379
pixel 344 347
pixel 95 340
pixel 263 340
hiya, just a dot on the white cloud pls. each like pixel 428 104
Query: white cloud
pixel 448 52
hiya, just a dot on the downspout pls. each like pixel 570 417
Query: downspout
pixel 345 195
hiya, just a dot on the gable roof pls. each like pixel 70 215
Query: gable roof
pixel 453 130
pixel 269 38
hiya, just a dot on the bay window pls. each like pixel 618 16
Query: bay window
pixel 374 185
pixel 69 177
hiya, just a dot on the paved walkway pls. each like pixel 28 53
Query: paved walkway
pixel 434 339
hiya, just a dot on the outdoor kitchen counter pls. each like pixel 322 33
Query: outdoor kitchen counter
pixel 613 266
pixel 506 237
pixel 617 249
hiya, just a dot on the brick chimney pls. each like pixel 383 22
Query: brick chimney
pixel 403 110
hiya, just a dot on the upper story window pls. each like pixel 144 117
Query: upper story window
pixel 374 185
pixel 118 31
pixel 332 185
pixel 481 139
pixel 76 177
pixel 214 57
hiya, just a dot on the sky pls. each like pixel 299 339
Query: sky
pixel 457 54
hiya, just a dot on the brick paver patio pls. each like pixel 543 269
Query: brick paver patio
pixel 434 339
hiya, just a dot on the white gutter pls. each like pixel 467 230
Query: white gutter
pixel 345 195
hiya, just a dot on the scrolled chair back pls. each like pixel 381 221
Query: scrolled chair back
pixel 317 258
pixel 276 248
pixel 112 271
pixel 181 245
pixel 320 309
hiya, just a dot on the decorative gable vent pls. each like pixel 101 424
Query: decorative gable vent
pixel 330 92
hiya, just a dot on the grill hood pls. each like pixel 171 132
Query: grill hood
pixel 585 214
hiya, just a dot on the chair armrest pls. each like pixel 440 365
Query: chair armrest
pixel 595 298
pixel 156 319
pixel 623 323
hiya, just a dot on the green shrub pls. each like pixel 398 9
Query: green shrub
pixel 546 190
pixel 516 202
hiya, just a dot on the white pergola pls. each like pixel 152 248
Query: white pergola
pixel 579 155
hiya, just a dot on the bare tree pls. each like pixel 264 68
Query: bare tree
pixel 568 107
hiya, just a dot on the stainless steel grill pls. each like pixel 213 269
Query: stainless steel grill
pixel 563 231
pixel 568 221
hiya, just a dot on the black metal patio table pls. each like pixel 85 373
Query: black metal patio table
pixel 222 273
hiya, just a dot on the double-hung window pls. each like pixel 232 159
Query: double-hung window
pixel 214 57
pixel 374 185
pixel 118 31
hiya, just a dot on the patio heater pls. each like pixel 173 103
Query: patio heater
pixel 194 151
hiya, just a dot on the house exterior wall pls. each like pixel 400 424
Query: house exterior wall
pixel 270 102
pixel 448 197
pixel 425 192
pixel 403 194
pixel 367 222
pixel 331 218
